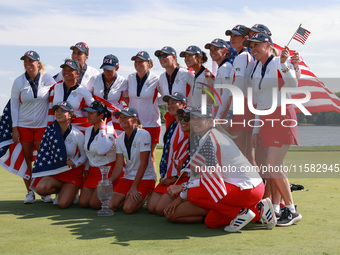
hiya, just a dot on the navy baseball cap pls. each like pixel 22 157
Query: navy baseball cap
pixel 82 47
pixel 217 43
pixel 142 55
pixel 110 62
pixel 258 28
pixel 237 30
pixel 191 50
pixel 197 111
pixel 260 37
pixel 177 96
pixel 167 50
pixel 98 106
pixel 128 111
pixel 32 55
pixel 74 64
pixel 63 105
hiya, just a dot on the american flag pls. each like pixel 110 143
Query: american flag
pixel 207 162
pixel 301 35
pixel 11 154
pixel 322 99
pixel 181 155
pixel 52 155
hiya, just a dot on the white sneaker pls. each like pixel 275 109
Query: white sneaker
pixel 242 219
pixel 55 201
pixel 76 199
pixel 47 199
pixel 267 214
pixel 30 198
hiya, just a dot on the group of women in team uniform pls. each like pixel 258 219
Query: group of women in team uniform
pixel 91 109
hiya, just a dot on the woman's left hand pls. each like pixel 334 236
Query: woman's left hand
pixel 70 163
pixel 295 60
pixel 134 195
pixel 167 181
pixel 284 55
pixel 170 208
pixel 174 189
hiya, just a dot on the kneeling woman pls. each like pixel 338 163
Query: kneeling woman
pixel 68 179
pixel 229 194
pixel 100 151
pixel 133 145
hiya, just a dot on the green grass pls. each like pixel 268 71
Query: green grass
pixel 43 229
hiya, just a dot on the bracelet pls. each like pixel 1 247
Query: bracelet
pixel 285 70
pixel 175 177
pixel 297 69
pixel 102 127
pixel 185 186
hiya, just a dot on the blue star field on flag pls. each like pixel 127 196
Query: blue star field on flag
pixel 52 152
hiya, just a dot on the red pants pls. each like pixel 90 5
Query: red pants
pixel 222 213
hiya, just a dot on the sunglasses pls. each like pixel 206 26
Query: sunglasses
pixel 186 118
pixel 163 56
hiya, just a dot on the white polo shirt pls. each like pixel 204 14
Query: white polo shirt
pixel 102 150
pixel 223 77
pixel 147 103
pixel 77 98
pixel 141 142
pixel 27 111
pixel 198 81
pixel 73 142
pixel 96 87
pixel 182 84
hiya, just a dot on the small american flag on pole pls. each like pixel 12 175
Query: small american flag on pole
pixel 301 35
pixel 207 162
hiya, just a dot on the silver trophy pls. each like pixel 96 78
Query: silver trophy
pixel 104 192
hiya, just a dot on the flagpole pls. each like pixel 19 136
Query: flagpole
pixel 293 35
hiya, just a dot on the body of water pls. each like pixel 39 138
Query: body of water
pixel 309 135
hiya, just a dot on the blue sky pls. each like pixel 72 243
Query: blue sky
pixel 125 27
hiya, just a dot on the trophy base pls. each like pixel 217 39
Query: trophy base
pixel 105 212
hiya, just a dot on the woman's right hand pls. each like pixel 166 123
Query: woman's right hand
pixel 15 135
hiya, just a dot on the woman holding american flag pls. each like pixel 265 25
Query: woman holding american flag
pixel 274 73
pixel 63 145
pixel 229 187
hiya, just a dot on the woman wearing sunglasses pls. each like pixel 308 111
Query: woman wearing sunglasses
pixel 230 195
pixel 168 172
pixel 80 52
pixel 175 78
pixel 181 210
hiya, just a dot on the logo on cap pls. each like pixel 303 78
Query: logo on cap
pixel 108 61
pixel 165 48
pixel 81 44
pixel 189 48
pixel 236 28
